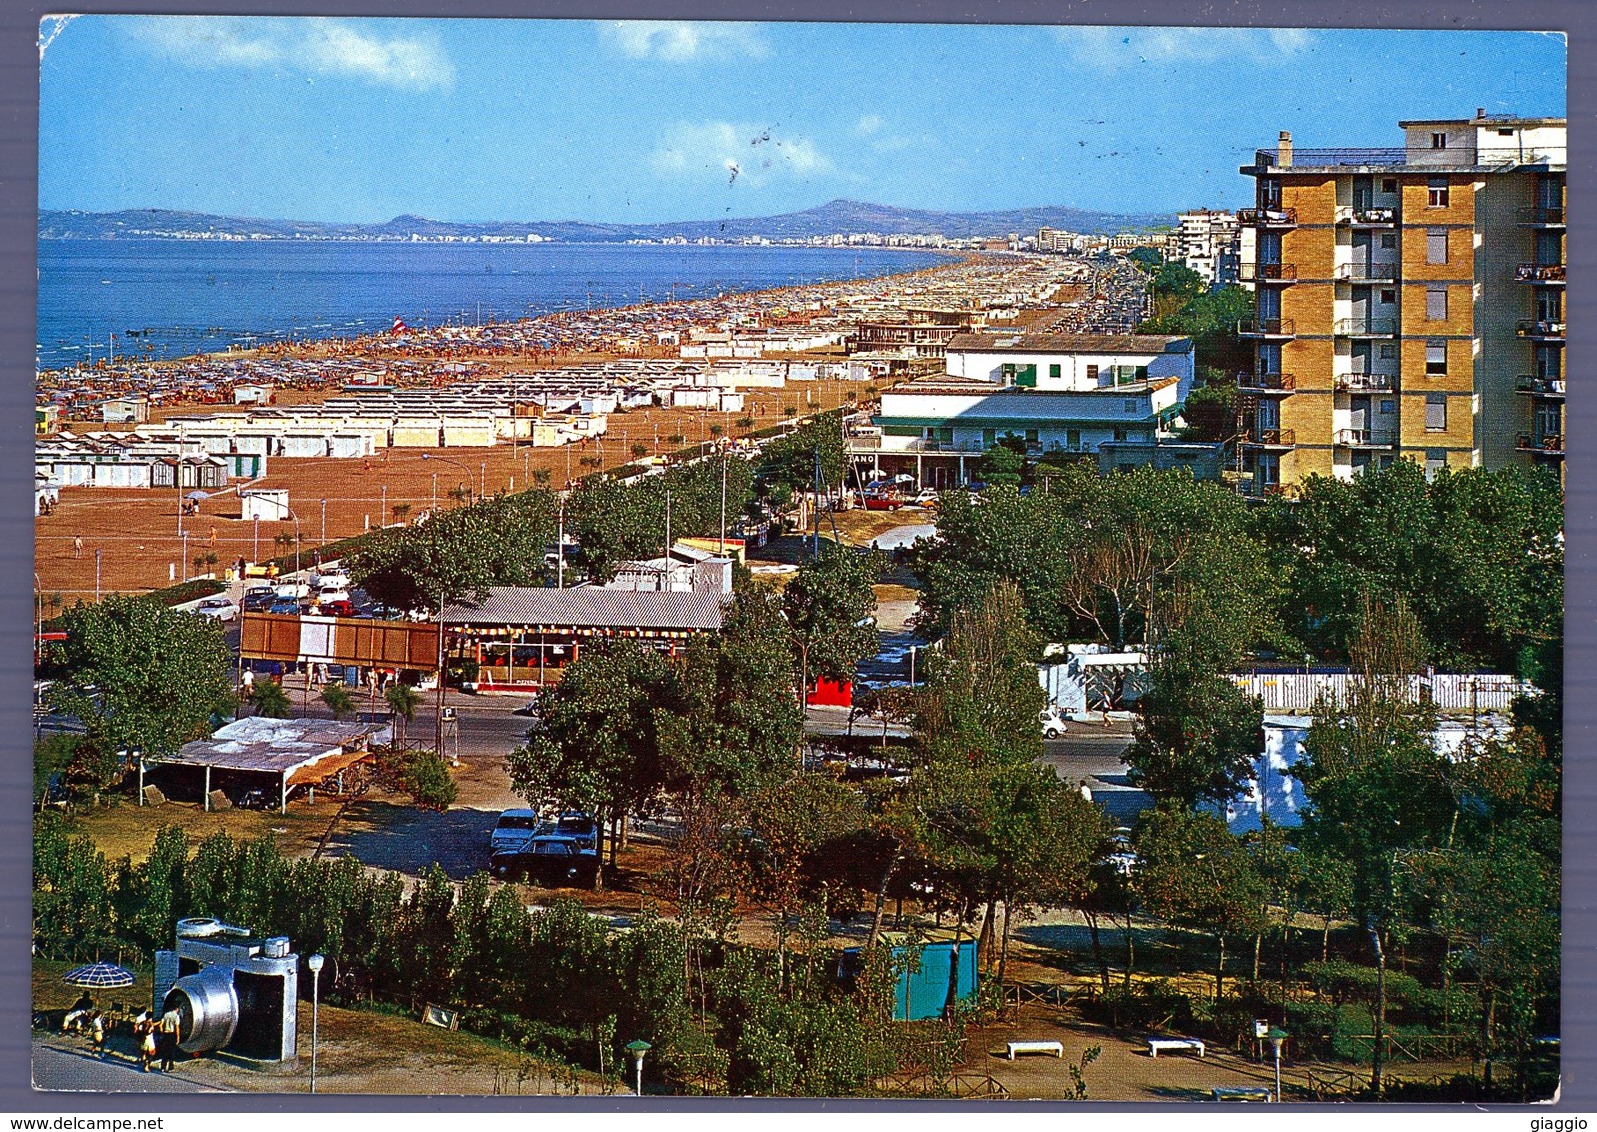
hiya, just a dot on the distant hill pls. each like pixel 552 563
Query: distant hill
pixel 844 217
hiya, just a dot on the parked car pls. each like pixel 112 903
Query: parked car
pixel 258 601
pixel 293 590
pixel 877 502
pixel 332 580
pixel 1053 724
pixel 220 608
pixel 325 596
pixel 551 862
pixel 513 829
pixel 286 605
pixel 927 498
pixel 341 607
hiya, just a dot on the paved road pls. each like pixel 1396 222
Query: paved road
pixel 59 1067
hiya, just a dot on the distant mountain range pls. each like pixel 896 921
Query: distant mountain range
pixel 845 217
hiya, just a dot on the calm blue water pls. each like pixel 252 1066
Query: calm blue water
pixel 197 296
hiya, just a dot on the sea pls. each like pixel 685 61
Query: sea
pixel 170 298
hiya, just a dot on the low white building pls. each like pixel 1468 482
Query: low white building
pixel 1045 392
pixel 266 504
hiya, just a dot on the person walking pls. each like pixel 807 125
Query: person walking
pixel 144 1033
pixel 171 1032
pixel 97 1034
pixel 77 546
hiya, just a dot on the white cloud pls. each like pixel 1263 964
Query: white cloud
pixel 738 154
pixel 314 46
pixel 677 41
pixel 1113 48
pixel 868 125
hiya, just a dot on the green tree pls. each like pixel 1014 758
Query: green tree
pixel 339 700
pixel 269 699
pixel 1002 466
pixel 458 553
pixel 402 701
pixel 790 461
pixel 140 677
pixel 830 608
pixel 1197 736
pixel 596 744
pixel 1193 872
pixel 1210 320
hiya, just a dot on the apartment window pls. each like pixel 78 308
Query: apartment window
pixel 1092 374
pixel 1436 412
pixel 1388 352
pixel 1053 370
pixel 1436 303
pixel 989 437
pixel 1387 406
pixel 1435 462
pixel 1129 405
pixel 1389 184
pixel 1142 373
pixel 1389 241
pixel 1436 245
pixel 1439 141
pixel 1437 193
pixel 1388 297
pixel 1435 358
pixel 1073 439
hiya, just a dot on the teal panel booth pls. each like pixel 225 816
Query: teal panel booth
pixel 947 963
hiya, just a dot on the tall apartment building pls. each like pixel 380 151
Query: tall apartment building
pixel 1410 302
pixel 1209 243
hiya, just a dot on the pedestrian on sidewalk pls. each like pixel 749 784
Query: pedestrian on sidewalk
pixel 171 1026
pixel 77 546
pixel 97 1034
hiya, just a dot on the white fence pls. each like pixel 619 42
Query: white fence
pixel 1300 691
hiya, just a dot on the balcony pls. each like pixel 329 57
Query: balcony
pixel 1366 272
pixel 1268 273
pixel 1266 382
pixel 1363 438
pixel 1365 382
pixel 1268 217
pixel 1266 328
pixel 1540 273
pixel 1540 329
pixel 1544 388
pixel 1272 437
pixel 1366 327
pixel 1547 444
pixel 1539 216
pixel 1325 158
pixel 1367 217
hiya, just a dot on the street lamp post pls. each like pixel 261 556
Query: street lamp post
pixel 255 553
pixel 637 1049
pixel 324 522
pixel 384 523
pixel 1275 1036
pixel 296 542
pixel 96 573
pixel 315 964
pixel 462 467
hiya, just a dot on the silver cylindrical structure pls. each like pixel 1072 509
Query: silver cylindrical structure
pixel 207 1007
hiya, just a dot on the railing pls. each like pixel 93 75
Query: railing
pixel 1268 217
pixel 1366 327
pixel 1363 438
pixel 1389 156
pixel 1539 328
pixel 1382 216
pixel 1274 437
pixel 1422 156
pixel 1365 382
pixel 1539 273
pixel 1266 327
pixel 1267 382
pixel 1539 214
pixel 1269 272
pixel 1540 386
pixel 1549 443
pixel 1371 272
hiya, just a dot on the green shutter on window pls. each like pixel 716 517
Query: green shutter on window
pixel 1026 375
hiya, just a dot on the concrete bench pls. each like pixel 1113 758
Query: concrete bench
pixel 1053 1049
pixel 1174 1045
pixel 1241 1093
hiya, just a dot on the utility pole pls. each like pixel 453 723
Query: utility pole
pixel 560 550
pixel 815 544
pixel 668 533
pixel 723 504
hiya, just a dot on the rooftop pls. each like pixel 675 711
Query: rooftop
pixel 967 387
pixel 590 607
pixel 277 746
pixel 1072 343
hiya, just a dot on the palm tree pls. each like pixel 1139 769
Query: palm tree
pixel 403 700
pixel 400 510
pixel 716 430
pixel 270 700
pixel 676 438
pixel 338 699
pixel 639 451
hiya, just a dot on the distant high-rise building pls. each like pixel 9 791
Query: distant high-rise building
pixel 1209 243
pixel 1410 302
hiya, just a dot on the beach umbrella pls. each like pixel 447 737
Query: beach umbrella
pixel 99 975
pixel 199 495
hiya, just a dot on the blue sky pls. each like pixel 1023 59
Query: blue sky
pixel 364 119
